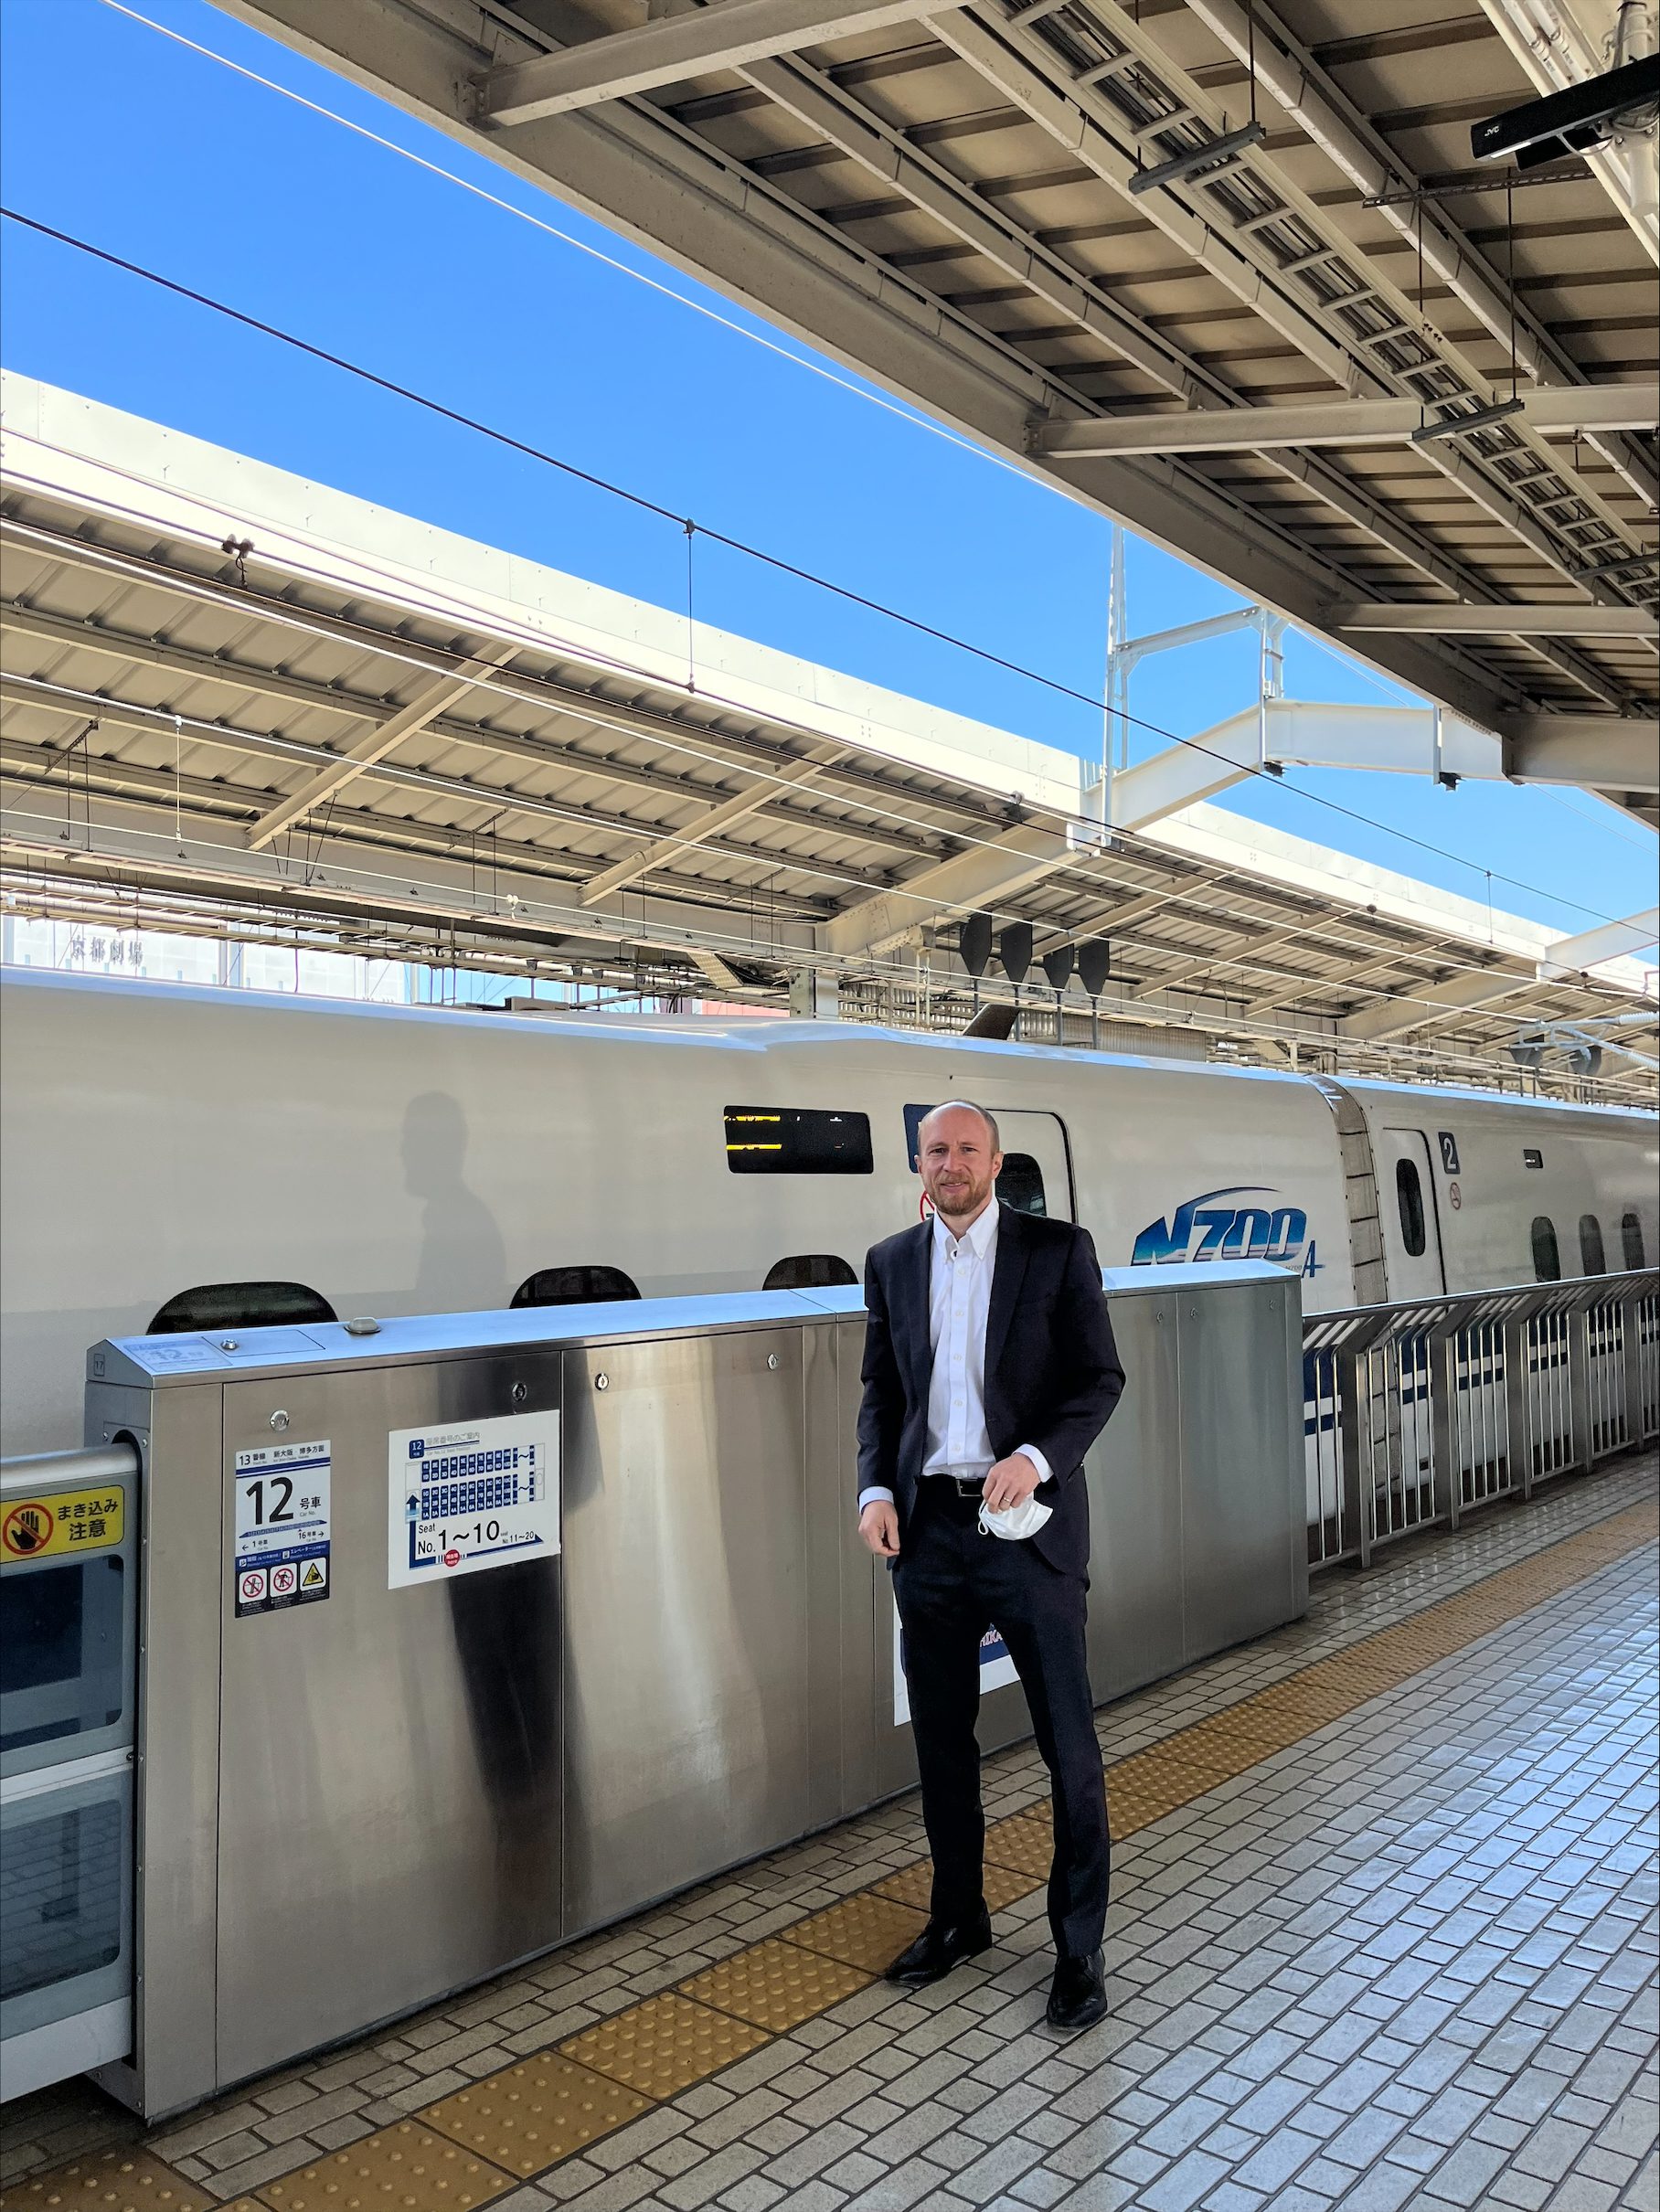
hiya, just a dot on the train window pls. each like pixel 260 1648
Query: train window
pixel 809 1271
pixel 1547 1260
pixel 239 1305
pixel 575 1286
pixel 1631 1240
pixel 1408 1197
pixel 797 1141
pixel 1593 1261
pixel 1021 1186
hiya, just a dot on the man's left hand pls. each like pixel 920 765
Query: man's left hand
pixel 1010 1483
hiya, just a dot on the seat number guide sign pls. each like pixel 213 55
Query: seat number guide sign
pixel 471 1495
pixel 281 1550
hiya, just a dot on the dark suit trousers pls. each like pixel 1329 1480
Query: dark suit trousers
pixel 952 1582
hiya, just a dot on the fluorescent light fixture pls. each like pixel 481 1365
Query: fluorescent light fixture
pixel 1454 426
pixel 1181 166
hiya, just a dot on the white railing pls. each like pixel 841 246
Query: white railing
pixel 1419 1412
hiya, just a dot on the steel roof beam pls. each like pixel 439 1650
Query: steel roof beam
pixel 1032 75
pixel 708 824
pixel 1393 1017
pixel 1432 620
pixel 633 165
pixel 1570 956
pixel 374 745
pixel 30 622
pixel 1600 751
pixel 671 48
pixel 1258 38
pixel 493 800
pixel 983 875
pixel 1556 409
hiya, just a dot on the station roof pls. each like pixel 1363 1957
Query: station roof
pixel 368 734
pixel 1209 264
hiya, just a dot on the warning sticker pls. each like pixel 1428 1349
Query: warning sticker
pixel 280 1555
pixel 62 1520
pixel 476 1494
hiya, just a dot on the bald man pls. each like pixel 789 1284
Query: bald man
pixel 989 1371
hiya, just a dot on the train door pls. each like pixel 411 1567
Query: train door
pixel 1412 1225
pixel 1036 1175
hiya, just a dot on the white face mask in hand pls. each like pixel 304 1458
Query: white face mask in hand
pixel 1023 1520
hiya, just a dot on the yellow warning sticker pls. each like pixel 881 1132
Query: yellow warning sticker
pixel 61 1521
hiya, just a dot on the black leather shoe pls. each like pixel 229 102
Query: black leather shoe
pixel 1077 1994
pixel 942 1945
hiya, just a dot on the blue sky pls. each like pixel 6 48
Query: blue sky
pixel 224 184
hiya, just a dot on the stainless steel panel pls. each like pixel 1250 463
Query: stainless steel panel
pixel 686 1635
pixel 1134 1475
pixel 827 1503
pixel 352 1806
pixel 1237 1444
pixel 389 1761
pixel 178 1721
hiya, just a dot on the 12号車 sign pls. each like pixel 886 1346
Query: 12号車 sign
pixel 281 1544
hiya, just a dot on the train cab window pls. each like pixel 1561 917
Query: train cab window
pixel 1547 1260
pixel 809 1271
pixel 1631 1240
pixel 239 1305
pixel 1593 1259
pixel 1409 1197
pixel 1021 1186
pixel 797 1141
pixel 575 1286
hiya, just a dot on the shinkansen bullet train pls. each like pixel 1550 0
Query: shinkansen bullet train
pixel 185 1158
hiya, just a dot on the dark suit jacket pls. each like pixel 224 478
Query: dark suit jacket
pixel 1052 1373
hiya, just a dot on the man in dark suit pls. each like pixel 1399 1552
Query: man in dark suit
pixel 989 1371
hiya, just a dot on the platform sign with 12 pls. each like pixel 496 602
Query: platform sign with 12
pixel 280 1555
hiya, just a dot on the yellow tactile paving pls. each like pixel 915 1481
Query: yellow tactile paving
pixel 469 2148
pixel 776 1984
pixel 864 1930
pixel 107 2181
pixel 1025 1842
pixel 531 2115
pixel 397 2167
pixel 664 2044
pixel 913 1884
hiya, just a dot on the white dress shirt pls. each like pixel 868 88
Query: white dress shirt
pixel 959 1306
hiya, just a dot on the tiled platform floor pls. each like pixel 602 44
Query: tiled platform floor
pixel 1383 1934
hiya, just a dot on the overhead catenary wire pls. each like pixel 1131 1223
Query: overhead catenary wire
pixel 643 503
pixel 820 369
pixel 285 613
pixel 497 798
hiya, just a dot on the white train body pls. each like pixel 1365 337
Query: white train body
pixel 403 1160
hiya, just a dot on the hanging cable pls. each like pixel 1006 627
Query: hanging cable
pixel 642 502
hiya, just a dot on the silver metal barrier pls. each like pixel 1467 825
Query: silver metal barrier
pixel 1417 1412
pixel 461 1635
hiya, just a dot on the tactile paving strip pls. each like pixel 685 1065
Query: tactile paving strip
pixel 531 2115
pixel 776 1984
pixel 403 2165
pixel 528 2116
pixel 1003 1884
pixel 107 2181
pixel 865 1930
pixel 1025 1842
pixel 664 2044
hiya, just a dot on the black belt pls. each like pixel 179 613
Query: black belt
pixel 962 1486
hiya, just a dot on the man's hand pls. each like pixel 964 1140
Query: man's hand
pixel 1010 1483
pixel 879 1526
